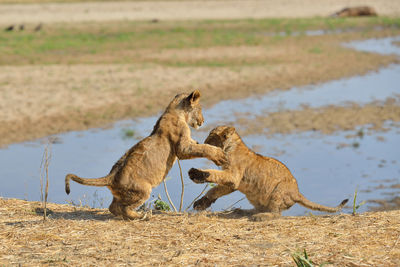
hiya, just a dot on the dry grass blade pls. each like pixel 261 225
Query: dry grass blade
pixel 183 186
pixel 169 198
pixel 44 175
pixel 395 244
pixel 234 204
pixel 196 198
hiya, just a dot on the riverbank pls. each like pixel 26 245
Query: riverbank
pixel 47 90
pixel 83 236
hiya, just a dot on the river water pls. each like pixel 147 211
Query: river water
pixel 326 171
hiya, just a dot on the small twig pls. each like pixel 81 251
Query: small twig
pixel 183 186
pixel 196 198
pixel 44 173
pixel 169 198
pixel 46 190
pixel 41 177
pixel 395 244
pixel 234 204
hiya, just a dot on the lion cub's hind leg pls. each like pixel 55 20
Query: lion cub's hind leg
pixel 127 212
pixel 127 201
pixel 115 207
pixel 124 211
pixel 271 208
pixel 212 195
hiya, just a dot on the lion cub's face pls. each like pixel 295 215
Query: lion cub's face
pixel 193 108
pixel 220 136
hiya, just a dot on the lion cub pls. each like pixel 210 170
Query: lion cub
pixel 146 164
pixel 267 183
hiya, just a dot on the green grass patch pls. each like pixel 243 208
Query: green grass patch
pixel 122 42
pixel 128 133
pixel 315 50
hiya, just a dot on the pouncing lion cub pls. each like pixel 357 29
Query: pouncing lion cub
pixel 146 164
pixel 267 183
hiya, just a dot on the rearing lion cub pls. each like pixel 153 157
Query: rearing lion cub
pixel 146 164
pixel 267 183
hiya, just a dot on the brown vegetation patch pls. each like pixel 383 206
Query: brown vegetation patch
pixel 325 119
pixel 81 236
pixel 391 204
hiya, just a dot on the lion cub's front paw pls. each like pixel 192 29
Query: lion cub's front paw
pixel 202 204
pixel 220 158
pixel 198 176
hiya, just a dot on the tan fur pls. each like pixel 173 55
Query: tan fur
pixel 267 183
pixel 146 164
pixel 355 12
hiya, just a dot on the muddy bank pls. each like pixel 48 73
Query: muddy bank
pixel 49 99
pixel 80 236
pixel 325 120
pixel 384 205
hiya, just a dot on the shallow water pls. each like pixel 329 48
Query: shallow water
pixel 320 32
pixel 325 172
pixel 375 86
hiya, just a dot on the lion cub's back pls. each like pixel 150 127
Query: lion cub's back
pixel 264 172
pixel 149 159
pixel 261 177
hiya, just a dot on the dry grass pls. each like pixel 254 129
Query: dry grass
pixel 80 236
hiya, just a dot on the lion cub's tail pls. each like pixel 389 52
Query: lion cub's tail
pixel 302 200
pixel 103 181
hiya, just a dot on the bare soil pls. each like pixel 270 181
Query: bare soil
pixel 81 236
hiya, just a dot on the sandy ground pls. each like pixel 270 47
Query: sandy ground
pixel 80 236
pixel 182 10
pixel 49 99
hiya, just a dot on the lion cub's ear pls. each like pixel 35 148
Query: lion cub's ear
pixel 228 132
pixel 194 97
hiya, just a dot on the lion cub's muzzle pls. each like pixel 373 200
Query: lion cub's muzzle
pixel 198 123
